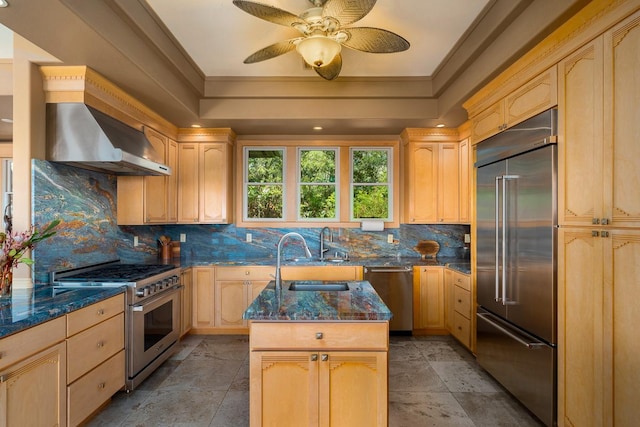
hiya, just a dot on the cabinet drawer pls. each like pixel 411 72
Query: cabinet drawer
pixel 245 273
pixel 462 280
pixel 92 390
pixel 23 344
pixel 93 346
pixel 461 328
pixel 95 313
pixel 462 301
pixel 319 335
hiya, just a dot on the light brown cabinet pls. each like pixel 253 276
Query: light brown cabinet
pixel 204 183
pixel 186 301
pixel 428 300
pixel 435 176
pixel 33 376
pixel 535 96
pixel 150 199
pixel 203 299
pixel 235 289
pixel 599 238
pixel 318 382
pixel 460 307
pixel 95 357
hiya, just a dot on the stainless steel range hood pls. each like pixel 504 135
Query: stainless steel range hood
pixel 81 136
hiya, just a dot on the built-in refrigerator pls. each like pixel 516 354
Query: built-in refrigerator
pixel 516 261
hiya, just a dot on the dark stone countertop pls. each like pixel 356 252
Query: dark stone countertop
pixel 25 308
pixel 360 302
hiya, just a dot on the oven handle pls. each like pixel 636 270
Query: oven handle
pixel 141 306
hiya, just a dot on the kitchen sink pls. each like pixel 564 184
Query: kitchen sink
pixel 316 285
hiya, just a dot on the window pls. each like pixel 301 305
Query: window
pixel 264 184
pixel 370 183
pixel 318 184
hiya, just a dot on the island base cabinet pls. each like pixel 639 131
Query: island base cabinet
pixel 339 388
pixel 319 374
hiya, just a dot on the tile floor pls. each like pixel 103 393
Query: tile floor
pixel 433 381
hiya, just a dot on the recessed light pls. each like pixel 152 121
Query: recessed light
pixel 440 125
pixel 4 3
pixel 6 120
pixel 317 128
pixel 196 126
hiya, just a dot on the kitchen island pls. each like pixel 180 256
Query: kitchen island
pixel 318 357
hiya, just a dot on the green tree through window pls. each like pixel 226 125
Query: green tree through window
pixel 370 183
pixel 317 184
pixel 265 172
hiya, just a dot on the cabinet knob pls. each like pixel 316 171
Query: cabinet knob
pixel 604 221
pixel 247 272
pixel 101 386
pixel 319 335
pixel 314 357
pixel 595 234
pixel 325 357
pixel 595 221
pixel 460 300
pixel 100 344
pixel 100 311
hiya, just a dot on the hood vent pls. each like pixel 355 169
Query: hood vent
pixel 81 136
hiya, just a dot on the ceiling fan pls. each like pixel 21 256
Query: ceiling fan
pixel 324 33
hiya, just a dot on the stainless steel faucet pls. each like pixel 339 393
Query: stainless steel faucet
pixel 282 239
pixel 322 249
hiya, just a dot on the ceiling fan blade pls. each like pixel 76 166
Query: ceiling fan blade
pixel 271 51
pixel 268 13
pixel 374 40
pixel 331 71
pixel 347 11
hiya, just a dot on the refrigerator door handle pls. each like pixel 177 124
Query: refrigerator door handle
pixel 505 178
pixel 497 228
pixel 530 344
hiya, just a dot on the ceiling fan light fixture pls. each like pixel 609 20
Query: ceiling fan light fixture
pixel 318 50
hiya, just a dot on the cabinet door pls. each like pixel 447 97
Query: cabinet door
pixel 536 96
pixel 32 393
pixel 580 154
pixel 186 301
pixel 429 299
pixel 231 297
pixel 448 183
pixel 155 187
pixel 449 299
pixel 203 297
pixel 622 123
pixel 353 389
pixel 622 259
pixel 464 171
pixel 488 122
pixel 213 183
pixel 172 181
pixel 188 186
pixel 422 182
pixel 284 388
pixel 580 328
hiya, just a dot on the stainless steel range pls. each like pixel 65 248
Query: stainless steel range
pixel 152 316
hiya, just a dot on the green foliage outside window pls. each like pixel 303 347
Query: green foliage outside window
pixel 370 179
pixel 265 184
pixel 317 184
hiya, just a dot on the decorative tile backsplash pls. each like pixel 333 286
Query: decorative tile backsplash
pixel 88 234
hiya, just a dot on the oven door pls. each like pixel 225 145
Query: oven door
pixel 154 327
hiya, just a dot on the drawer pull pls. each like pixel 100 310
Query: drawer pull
pixel 100 344
pixel 100 311
pixel 101 386
pixel 325 357
pixel 319 335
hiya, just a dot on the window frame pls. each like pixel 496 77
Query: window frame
pixel 246 184
pixel 389 183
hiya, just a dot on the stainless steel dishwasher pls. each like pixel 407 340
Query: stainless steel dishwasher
pixel 395 287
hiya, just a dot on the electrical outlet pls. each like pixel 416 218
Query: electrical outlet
pixel 389 238
pixel 467 238
pixel 248 237
pixel 183 237
pixel 135 241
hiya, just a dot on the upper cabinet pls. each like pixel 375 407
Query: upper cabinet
pixel 537 95
pixel 599 156
pixel 205 181
pixel 150 199
pixel 436 177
